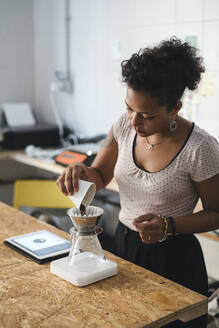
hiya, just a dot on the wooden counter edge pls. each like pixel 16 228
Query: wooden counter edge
pixel 188 314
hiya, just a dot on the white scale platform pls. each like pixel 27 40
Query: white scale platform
pixel 81 277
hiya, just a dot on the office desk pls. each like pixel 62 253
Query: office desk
pixel 30 296
pixel 210 247
pixel 51 167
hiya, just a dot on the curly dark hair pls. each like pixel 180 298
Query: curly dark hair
pixel 164 71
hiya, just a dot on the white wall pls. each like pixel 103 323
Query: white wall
pixel 16 51
pixel 88 109
pixel 49 52
pixel 104 32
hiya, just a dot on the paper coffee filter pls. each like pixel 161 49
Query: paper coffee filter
pixel 88 219
pixel 91 211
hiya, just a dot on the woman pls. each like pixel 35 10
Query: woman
pixel 162 163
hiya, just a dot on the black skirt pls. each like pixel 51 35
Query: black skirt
pixel 179 259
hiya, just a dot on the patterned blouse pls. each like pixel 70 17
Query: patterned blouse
pixel 170 191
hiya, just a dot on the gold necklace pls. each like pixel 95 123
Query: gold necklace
pixel 151 146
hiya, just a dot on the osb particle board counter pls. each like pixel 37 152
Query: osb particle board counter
pixel 30 296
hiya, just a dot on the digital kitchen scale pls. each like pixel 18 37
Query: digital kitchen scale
pixel 64 270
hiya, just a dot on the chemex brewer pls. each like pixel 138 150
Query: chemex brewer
pixel 86 262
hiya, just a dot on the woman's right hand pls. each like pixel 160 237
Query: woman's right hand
pixel 68 181
pixel 100 172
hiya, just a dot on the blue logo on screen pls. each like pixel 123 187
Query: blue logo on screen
pixel 39 240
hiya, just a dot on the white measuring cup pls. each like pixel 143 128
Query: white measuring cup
pixel 84 195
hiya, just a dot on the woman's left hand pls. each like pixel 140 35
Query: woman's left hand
pixel 150 228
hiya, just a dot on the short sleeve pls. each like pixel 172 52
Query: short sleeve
pixel 206 161
pixel 120 126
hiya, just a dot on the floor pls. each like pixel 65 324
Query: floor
pixel 214 322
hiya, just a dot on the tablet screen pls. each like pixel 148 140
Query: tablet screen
pixel 41 243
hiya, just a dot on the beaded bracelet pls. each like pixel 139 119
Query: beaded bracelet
pixel 165 229
pixel 172 225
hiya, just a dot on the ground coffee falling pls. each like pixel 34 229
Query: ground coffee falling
pixel 82 209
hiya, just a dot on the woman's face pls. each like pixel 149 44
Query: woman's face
pixel 147 116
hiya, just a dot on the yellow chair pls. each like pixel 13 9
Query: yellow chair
pixel 39 193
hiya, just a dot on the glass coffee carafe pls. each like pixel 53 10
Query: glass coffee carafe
pixel 86 253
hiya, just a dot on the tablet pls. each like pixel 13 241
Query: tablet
pixel 42 246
